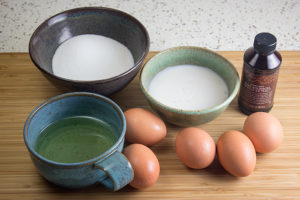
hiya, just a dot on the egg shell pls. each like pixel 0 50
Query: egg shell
pixel 236 153
pixel 264 130
pixel 144 127
pixel 195 147
pixel 144 163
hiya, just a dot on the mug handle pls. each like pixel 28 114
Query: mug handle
pixel 118 169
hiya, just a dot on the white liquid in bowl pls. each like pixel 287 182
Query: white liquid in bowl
pixel 91 57
pixel 188 87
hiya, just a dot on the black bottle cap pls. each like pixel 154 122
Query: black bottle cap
pixel 265 43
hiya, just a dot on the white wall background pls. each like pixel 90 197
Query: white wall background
pixel 215 24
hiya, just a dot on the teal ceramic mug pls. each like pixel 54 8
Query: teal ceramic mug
pixel 110 168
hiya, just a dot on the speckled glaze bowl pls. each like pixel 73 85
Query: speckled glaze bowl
pixel 110 168
pixel 92 20
pixel 194 56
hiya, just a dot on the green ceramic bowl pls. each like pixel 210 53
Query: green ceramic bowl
pixel 194 56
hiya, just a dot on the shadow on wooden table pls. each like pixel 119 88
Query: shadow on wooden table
pixel 96 188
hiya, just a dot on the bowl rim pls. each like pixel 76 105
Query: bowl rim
pixel 90 9
pixel 226 102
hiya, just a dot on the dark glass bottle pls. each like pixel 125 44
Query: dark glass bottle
pixel 260 74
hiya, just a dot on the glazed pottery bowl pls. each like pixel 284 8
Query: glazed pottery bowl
pixel 110 168
pixel 195 56
pixel 107 22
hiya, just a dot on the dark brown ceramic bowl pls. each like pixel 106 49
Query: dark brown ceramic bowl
pixel 93 20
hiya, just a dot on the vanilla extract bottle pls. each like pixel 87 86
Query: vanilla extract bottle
pixel 260 74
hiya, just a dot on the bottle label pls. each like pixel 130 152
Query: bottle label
pixel 257 88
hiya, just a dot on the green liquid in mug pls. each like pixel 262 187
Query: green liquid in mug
pixel 75 139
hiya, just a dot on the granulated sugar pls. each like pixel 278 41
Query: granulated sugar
pixel 91 57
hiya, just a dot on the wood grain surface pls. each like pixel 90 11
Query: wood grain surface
pixel 276 176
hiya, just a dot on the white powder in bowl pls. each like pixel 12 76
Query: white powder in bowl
pixel 91 57
pixel 188 87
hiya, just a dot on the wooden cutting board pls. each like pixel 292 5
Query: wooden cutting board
pixel 276 176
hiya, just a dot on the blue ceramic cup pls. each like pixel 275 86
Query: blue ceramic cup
pixel 111 168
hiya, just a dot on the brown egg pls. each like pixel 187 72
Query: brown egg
pixel 195 147
pixel 144 163
pixel 264 130
pixel 236 153
pixel 144 127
